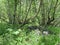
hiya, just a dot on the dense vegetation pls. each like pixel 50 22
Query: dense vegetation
pixel 29 22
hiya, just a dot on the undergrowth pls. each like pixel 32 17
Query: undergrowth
pixel 10 36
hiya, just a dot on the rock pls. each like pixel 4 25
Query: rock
pixel 45 32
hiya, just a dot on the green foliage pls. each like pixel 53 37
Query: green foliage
pixel 48 40
pixel 3 28
pixel 14 13
pixel 54 29
pixel 19 37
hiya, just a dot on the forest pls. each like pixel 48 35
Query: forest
pixel 29 22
